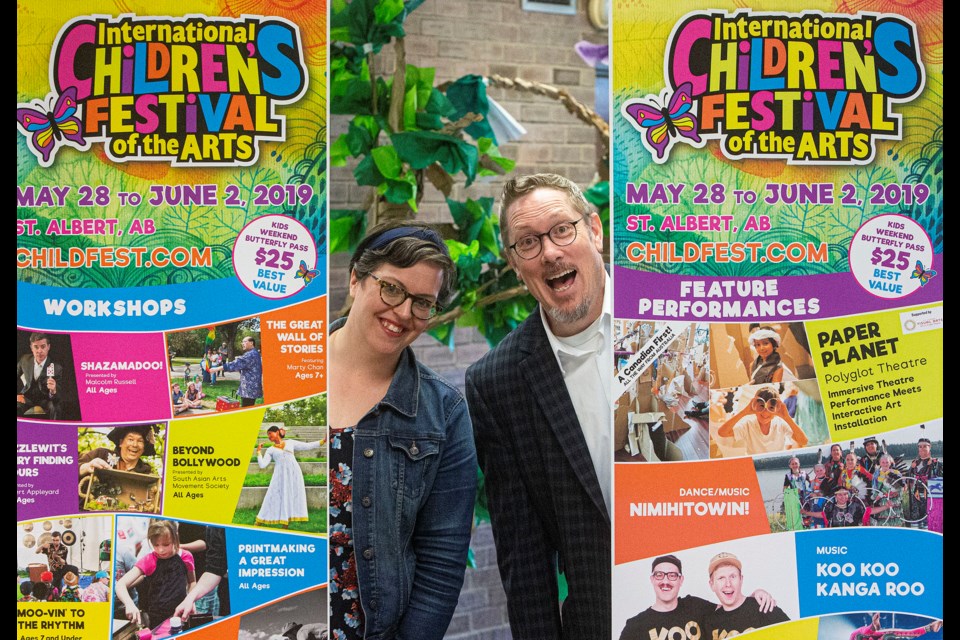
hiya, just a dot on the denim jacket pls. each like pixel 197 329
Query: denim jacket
pixel 414 487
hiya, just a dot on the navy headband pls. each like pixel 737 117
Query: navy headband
pixel 428 235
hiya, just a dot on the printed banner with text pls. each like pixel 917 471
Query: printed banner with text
pixel 778 276
pixel 171 319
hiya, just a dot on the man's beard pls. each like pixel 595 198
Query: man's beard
pixel 571 316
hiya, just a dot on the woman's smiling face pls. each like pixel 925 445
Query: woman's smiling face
pixel 385 329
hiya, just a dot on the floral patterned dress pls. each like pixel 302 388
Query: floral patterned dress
pixel 346 616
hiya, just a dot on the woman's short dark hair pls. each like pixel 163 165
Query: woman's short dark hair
pixel 402 244
pixel 275 429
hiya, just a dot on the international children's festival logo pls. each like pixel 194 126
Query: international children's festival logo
pixel 195 90
pixel 812 88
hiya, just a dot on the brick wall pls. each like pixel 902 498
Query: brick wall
pixel 484 37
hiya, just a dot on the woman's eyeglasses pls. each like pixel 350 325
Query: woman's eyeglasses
pixel 759 404
pixel 394 295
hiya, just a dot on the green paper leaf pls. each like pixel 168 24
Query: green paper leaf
pixel 599 194
pixel 469 95
pixel 477 222
pixel 467 259
pixel 350 92
pixel 428 121
pixel 439 104
pixel 366 173
pixel 347 228
pixel 457 249
pixel 339 152
pixel 420 149
pixel 487 148
pixel 387 10
pixel 401 192
pixel 361 136
pixel 388 162
pixel 417 90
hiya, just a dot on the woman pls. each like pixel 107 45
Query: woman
pixel 763 425
pixel 854 477
pixel 286 499
pixel 833 468
pixel 883 491
pixel 768 366
pixel 402 460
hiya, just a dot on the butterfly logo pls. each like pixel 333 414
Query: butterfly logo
pixel 48 128
pixel 664 126
pixel 307 275
pixel 922 274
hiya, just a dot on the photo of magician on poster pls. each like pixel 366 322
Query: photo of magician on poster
pixel 45 386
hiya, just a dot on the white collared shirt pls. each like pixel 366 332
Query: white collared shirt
pixel 38 368
pixel 586 362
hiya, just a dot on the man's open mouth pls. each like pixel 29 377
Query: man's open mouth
pixel 562 281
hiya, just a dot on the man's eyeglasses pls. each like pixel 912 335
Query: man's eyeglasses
pixel 394 295
pixel 672 576
pixel 759 404
pixel 561 234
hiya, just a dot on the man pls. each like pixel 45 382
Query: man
pixel 737 613
pixel 56 553
pixel 870 461
pixel 871 458
pixel 251 372
pixel 923 468
pixel 834 469
pixel 541 410
pixel 873 631
pixel 41 381
pixel 673 616
pixel 842 511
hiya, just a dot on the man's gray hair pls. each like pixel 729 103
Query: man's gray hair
pixel 518 187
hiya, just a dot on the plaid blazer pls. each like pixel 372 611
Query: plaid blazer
pixel 545 502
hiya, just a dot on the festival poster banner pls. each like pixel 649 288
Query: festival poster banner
pixel 250 569
pixel 171 197
pixel 778 274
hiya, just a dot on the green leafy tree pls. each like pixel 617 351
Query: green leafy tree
pixel 308 412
